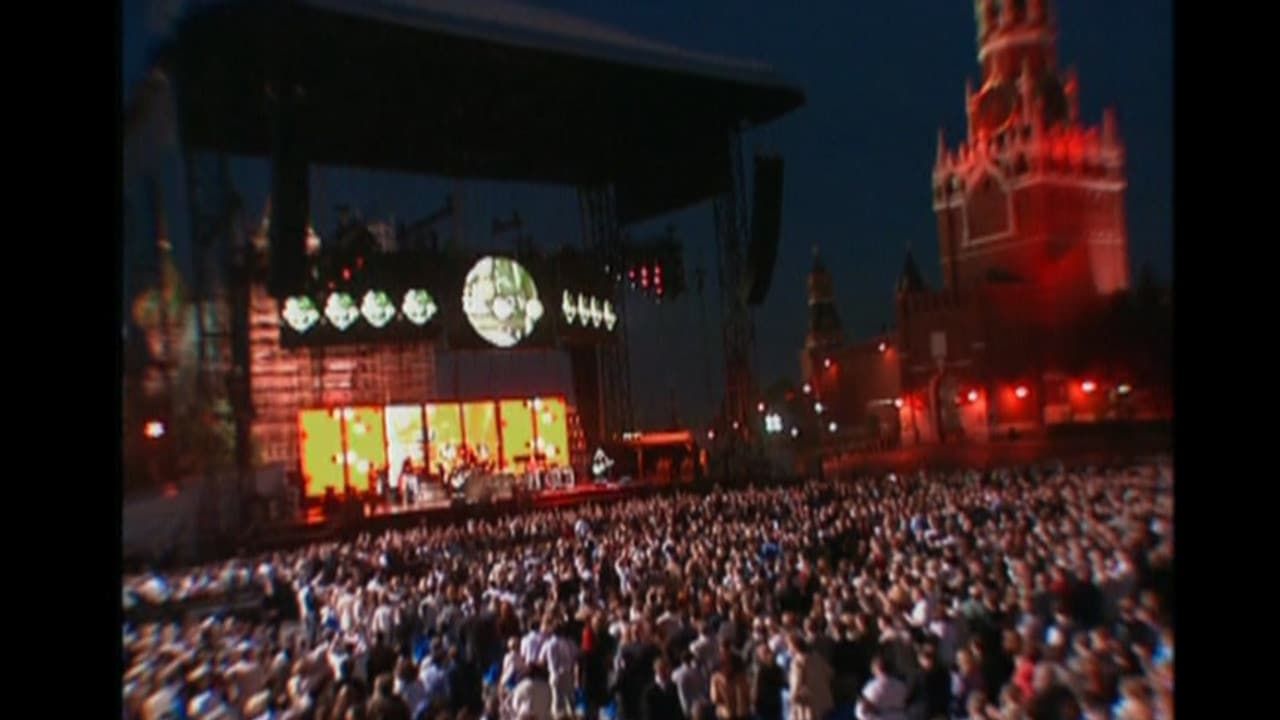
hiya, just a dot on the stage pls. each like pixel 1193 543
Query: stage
pixel 382 516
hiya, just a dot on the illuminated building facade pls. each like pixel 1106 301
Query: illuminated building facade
pixel 1035 324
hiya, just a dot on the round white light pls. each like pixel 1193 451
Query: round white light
pixel 500 300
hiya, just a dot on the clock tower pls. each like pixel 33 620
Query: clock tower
pixel 1032 196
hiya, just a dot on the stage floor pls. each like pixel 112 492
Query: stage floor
pixel 315 515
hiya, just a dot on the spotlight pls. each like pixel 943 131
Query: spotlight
pixel 807 388
pixel 897 402
pixel 973 396
pixel 1021 391
pixel 1124 389
pixel 759 407
pixel 153 430
pixel 735 425
pixel 795 432
pixel 831 426
pixel 882 346
pixel 1088 386
pixel 818 407
pixel 711 434
pixel 826 362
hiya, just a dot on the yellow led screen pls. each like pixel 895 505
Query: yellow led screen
pixel 517 433
pixel 404 439
pixel 320 434
pixel 366 446
pixel 553 431
pixel 444 431
pixel 481 421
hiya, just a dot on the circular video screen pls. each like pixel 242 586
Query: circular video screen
pixel 501 301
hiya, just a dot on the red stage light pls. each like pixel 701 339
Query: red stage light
pixel 153 430
pixel 1021 391
pixel 1088 386
pixel 973 396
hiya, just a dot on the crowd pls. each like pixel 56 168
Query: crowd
pixel 1020 594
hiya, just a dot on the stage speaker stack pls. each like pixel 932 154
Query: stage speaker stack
pixel 290 200
pixel 766 226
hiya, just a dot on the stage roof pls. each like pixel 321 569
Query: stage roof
pixel 471 88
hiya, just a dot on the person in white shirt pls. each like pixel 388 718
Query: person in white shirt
pixel 513 669
pixel 531 645
pixel 559 656
pixel 532 697
pixel 410 687
pixel 883 697
pixel 691 683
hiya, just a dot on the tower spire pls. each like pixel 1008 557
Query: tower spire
pixel 1007 16
pixel 1072 90
pixel 1035 11
pixel 968 107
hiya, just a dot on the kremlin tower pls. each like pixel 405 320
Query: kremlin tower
pixel 1032 195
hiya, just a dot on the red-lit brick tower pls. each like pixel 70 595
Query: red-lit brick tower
pixel 1032 197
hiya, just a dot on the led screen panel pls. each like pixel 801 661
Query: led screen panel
pixel 320 437
pixel 366 446
pixel 500 299
pixel 517 433
pixel 481 422
pixel 404 440
pixel 444 434
pixel 553 430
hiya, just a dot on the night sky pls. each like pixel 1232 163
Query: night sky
pixel 881 78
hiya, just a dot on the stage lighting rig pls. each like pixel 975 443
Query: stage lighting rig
pixel 655 267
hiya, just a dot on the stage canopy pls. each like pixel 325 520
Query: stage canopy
pixel 470 88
